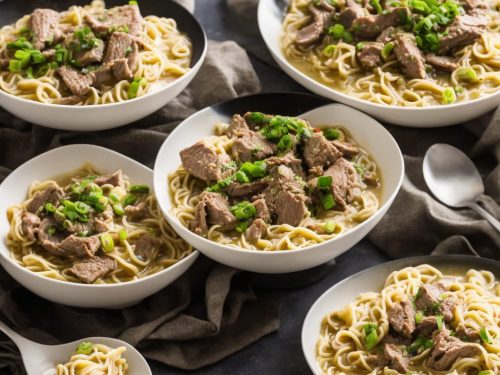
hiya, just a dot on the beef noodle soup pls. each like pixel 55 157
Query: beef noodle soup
pixel 422 322
pixel 90 54
pixel 92 228
pixel 274 183
pixel 412 53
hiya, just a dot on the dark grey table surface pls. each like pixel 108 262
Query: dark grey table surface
pixel 280 352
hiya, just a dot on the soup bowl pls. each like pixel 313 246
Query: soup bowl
pixel 105 116
pixel 60 161
pixel 367 132
pixel 270 17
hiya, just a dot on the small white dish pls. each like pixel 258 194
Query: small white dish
pixel 270 18
pixel 62 160
pixel 367 132
pixel 372 280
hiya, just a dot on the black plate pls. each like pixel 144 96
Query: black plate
pixel 12 10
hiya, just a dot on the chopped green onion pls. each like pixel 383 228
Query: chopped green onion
pixel 258 118
pixel 254 170
pixel 448 95
pixel 118 209
pixel 359 45
pixel 331 134
pixel 241 177
pixel 241 227
pixel 70 210
pixel 347 37
pixel 85 347
pixel 114 198
pixel 24 57
pixel 285 142
pixel 107 242
pixel 129 199
pixel 140 189
pixel 419 345
pixel 20 43
pixel 336 31
pixel 439 321
pixel 244 210
pixel 50 208
pixel 418 317
pixel 51 230
pixel 37 57
pixel 329 227
pixel 387 50
pixel 133 2
pixel 82 208
pixel 376 5
pixel 67 224
pixel 467 75
pixel 324 182
pixel 485 336
pixel 101 204
pixel 327 201
pixel 329 49
pixel 371 335
pixel 128 51
pixel 133 90
pixel 122 235
pixel 486 372
pixel 29 73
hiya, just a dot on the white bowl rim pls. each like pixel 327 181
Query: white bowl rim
pixel 420 259
pixel 283 60
pixel 82 285
pixel 385 206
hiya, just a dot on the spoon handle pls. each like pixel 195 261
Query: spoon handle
pixel 18 339
pixel 485 214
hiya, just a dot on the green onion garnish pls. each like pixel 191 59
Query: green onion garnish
pixel 387 50
pixel 329 49
pixel 241 177
pixel 485 336
pixel 123 235
pixel 324 182
pixel 107 242
pixel 241 227
pixel 51 230
pixel 327 201
pixel 467 75
pixel 376 5
pixel 243 210
pixel 133 2
pixel 486 372
pixel 448 95
pixel 118 209
pixel 331 134
pixel 347 37
pixel 140 189
pixel 49 207
pixel 371 335
pixel 418 317
pixel 129 199
pixel 285 142
pixel 85 347
pixel 336 31
pixel 329 227
pixel 439 321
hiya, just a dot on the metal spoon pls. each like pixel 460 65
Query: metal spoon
pixel 42 359
pixel 454 179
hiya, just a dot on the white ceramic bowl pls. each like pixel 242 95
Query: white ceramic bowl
pixel 373 279
pixel 367 132
pixel 270 18
pixel 108 116
pixel 56 162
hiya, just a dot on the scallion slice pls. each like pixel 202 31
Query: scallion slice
pixel 107 242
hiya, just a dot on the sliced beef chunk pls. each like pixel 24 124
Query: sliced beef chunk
pixel 428 296
pixel 458 36
pixel 371 179
pixel 237 189
pixel 213 209
pixel 371 26
pixel 29 225
pixel 252 146
pixel 448 307
pixel 102 76
pixel 117 46
pixel 52 194
pixel 44 25
pixel 115 179
pixel 127 15
pixel 344 180
pixel 402 318
pixel 346 148
pixel 80 246
pixel 477 19
pixel 369 55
pixel 203 162
pixel 409 56
pixel 79 84
pixel 137 211
pixel 397 361
pixel 290 160
pixel 427 326
pixel 86 57
pixel 386 35
pixel 447 349
pixel 237 127
pixel 441 62
pixel 285 196
pixel 81 229
pixel 351 12
pixel 145 245
pixel 122 52
pixel 474 4
pixel 121 70
pixel 104 221
pixel 94 268
pixel 49 239
pixel 377 360
pixel 262 210
pixel 319 152
pixel 256 230
pixel 322 15
pixel 466 333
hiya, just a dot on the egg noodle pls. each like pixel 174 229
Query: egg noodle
pixel 102 360
pixel 386 84
pixel 186 189
pixel 164 55
pixel 341 349
pixel 129 266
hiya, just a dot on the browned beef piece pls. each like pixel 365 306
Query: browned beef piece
pixel 311 33
pixel 319 152
pixel 52 194
pixel 252 146
pixel 448 307
pixel 44 24
pixel 386 35
pixel 79 84
pixel 476 19
pixel 123 55
pixel 256 230
pixel 94 268
pixel 441 62
pixel 50 242
pixel 237 127
pixel 447 349
pixel 127 15
pixel 428 296
pixel 94 55
pixel 397 361
pixel 117 46
pixel 29 225
pixel 81 229
pixel 203 162
pixel 352 11
pixel 458 36
pixel 402 318
pixel 466 333
pixel 80 246
pixel 262 210
pixel 115 179
pixel 49 54
pixel 285 196
pixel 121 70
pixel 103 222
pixel 137 212
pixel 371 26
pixel 212 209
pixel 409 56
pixel 370 179
pixel 102 76
pixel 427 326
pixel 237 189
pixel 369 56
pixel 473 4
pixel 344 180
pixel 145 245
pixel 290 160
